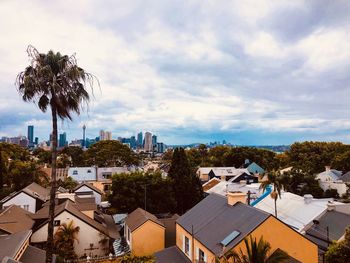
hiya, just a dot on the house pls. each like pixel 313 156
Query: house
pixel 61 173
pixel 88 189
pixel 253 167
pixel 95 232
pixel 223 188
pixel 140 226
pixel 218 224
pixel 332 179
pixel 15 248
pixel 83 174
pixel 329 226
pixel 233 175
pixel 345 177
pixel 30 198
pixel 203 173
pixel 14 219
pixel 294 210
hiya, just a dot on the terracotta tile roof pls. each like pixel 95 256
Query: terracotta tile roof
pixel 138 217
pixel 14 219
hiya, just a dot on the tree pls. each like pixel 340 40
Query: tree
pixel 64 239
pixel 54 81
pixel 44 157
pixel 257 252
pixel 187 187
pixel 68 183
pixel 130 191
pixel 273 178
pixel 110 153
pixel 339 252
pixel 134 259
pixel 76 155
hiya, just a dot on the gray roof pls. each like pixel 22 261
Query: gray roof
pixel 335 221
pixel 33 254
pixel 171 255
pixel 345 177
pixel 34 190
pixel 11 244
pixel 213 220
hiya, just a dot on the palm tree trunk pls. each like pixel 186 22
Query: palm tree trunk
pixel 2 170
pixel 49 249
pixel 275 207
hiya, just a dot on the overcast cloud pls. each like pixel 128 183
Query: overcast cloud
pixel 250 72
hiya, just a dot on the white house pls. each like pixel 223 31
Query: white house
pixel 83 174
pixel 332 179
pixel 93 237
pixel 86 188
pixel 29 198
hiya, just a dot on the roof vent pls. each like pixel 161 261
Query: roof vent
pixel 308 198
pixel 227 240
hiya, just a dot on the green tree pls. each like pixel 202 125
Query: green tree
pixel 44 157
pixel 274 179
pixel 64 239
pixel 258 252
pixel 135 259
pixel 110 153
pixel 339 252
pixel 76 155
pixel 130 191
pixel 187 187
pixel 68 183
pixel 54 81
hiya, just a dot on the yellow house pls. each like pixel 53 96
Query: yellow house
pixel 144 233
pixel 217 225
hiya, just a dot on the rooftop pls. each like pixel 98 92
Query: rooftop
pixel 138 217
pixel 14 219
pixel 213 211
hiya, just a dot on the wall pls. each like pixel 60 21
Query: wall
pixel 87 235
pixel 180 233
pixel 85 188
pixel 148 239
pixel 100 184
pixel 83 174
pixel 22 199
pixel 281 236
pixel 340 187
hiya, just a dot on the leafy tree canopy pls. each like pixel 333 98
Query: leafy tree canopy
pixel 110 153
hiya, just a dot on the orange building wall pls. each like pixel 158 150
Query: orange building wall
pixel 148 239
pixel 281 236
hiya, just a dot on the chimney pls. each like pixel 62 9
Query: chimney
pixel 330 206
pixel 328 168
pixel 308 198
pixel 234 197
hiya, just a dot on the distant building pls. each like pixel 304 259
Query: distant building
pixel 30 134
pixel 62 142
pixel 132 142
pixel 105 135
pixel 36 141
pixel 154 140
pixel 139 140
pixel 160 147
pixel 148 142
pixel 332 179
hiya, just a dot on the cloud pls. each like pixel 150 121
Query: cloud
pixel 247 71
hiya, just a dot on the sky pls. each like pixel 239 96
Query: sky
pixel 250 72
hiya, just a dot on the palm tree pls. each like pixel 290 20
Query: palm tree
pixel 54 81
pixel 257 252
pixel 273 178
pixel 64 239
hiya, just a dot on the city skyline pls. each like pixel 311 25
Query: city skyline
pixel 248 72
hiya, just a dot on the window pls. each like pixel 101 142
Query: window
pixel 201 256
pixel 106 187
pixel 187 246
pixel 75 172
pixel 57 222
pixel 89 171
pixel 26 207
pixel 107 175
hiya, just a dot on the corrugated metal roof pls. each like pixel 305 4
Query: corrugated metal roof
pixel 213 220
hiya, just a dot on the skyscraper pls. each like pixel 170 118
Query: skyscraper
pixel 62 140
pixel 154 140
pixel 148 142
pixel 84 141
pixel 102 135
pixel 132 142
pixel 30 134
pixel 139 140
pixel 105 135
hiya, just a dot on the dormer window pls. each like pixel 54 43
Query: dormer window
pixel 75 172
pixel 89 171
